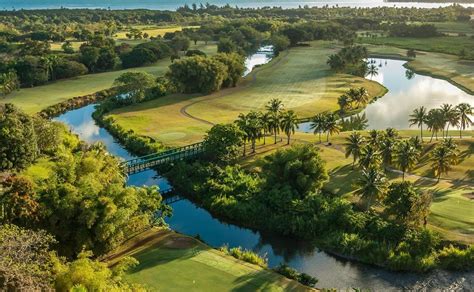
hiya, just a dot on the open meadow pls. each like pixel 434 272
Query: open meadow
pixel 300 78
pixel 35 99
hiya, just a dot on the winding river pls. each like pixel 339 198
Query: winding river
pixel 331 271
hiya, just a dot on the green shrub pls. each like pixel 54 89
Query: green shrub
pixel 454 258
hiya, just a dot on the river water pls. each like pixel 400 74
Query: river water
pixel 331 271
pixel 174 4
pixel 405 93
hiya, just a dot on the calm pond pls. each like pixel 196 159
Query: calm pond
pixel 406 91
pixel 331 271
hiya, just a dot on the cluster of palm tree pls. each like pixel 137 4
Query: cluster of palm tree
pixel 374 154
pixel 325 122
pixel 8 83
pixel 382 149
pixel 441 119
pixel 258 125
pixel 352 99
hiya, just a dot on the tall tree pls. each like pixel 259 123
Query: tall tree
pixel 275 107
pixel 464 111
pixel 407 205
pixel 331 126
pixel 317 124
pixel 354 144
pixel 443 158
pixel 243 123
pixel 406 156
pixel 419 117
pixel 289 124
pixel 371 186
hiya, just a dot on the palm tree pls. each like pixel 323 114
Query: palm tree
pixel 266 125
pixel 372 185
pixel 317 124
pixel 369 157
pixel 275 107
pixel 435 122
pixel 372 71
pixel 375 138
pixel 363 95
pixel 387 147
pixel 354 144
pixel 442 160
pixel 274 123
pixel 242 122
pixel 289 124
pixel 344 103
pixel 331 126
pixel 464 111
pixel 406 156
pixel 450 117
pixel 391 133
pixel 419 117
pixel 254 128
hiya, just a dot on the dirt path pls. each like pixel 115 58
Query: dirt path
pixel 226 92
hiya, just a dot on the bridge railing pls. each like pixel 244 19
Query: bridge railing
pixel 158 155
pixel 148 161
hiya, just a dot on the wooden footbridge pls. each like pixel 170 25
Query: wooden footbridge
pixel 143 163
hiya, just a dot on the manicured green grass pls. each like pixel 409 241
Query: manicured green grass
pixel 152 31
pixel 173 262
pixel 35 99
pixel 301 79
pixel 454 27
pixel 444 44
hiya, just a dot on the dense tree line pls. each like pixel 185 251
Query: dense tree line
pixel 201 74
pixel 78 202
pixel 413 30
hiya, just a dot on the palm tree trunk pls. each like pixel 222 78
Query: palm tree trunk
pixel 245 147
pixel 421 133
pixel 253 145
pixel 432 134
pixel 447 131
pixel 327 137
pixel 288 142
pixel 320 138
pixel 264 135
pixel 460 133
pixel 275 132
pixel 403 175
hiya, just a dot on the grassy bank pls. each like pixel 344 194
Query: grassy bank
pixel 443 44
pixel 35 99
pixel 174 262
pixel 300 78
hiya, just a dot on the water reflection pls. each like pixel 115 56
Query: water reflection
pixel 407 92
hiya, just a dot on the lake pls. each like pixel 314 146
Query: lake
pixel 405 93
pixel 172 5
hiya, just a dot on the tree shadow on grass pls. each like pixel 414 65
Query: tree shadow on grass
pixel 264 281
pixel 341 179
pixel 155 256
